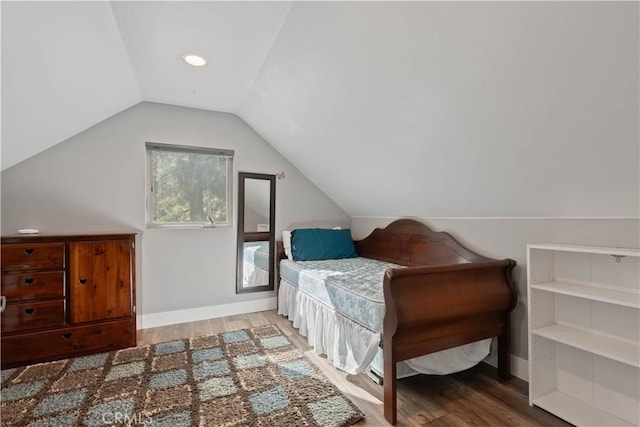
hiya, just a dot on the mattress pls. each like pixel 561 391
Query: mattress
pixel 351 286
pixel 257 253
pixel 255 271
pixel 339 306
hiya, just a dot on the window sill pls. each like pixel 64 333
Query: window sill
pixel 186 226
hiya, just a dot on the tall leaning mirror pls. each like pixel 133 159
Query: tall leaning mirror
pixel 256 236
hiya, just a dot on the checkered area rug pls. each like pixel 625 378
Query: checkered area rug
pixel 251 377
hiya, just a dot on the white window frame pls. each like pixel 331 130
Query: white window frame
pixel 216 152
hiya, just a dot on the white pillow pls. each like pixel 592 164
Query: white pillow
pixel 286 241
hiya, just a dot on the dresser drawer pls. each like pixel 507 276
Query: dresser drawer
pixel 33 315
pixel 23 286
pixel 32 256
pixel 67 342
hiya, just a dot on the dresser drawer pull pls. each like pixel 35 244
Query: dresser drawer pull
pixel 83 281
pixel 28 281
pixel 29 310
pixel 28 251
pixel 66 335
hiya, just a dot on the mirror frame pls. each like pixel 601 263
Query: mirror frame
pixel 256 236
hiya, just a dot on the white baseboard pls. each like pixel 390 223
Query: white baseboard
pixel 165 318
pixel 519 367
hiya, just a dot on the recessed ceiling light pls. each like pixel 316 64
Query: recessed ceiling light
pixel 193 59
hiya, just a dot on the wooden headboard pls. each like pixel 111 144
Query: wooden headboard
pixel 409 242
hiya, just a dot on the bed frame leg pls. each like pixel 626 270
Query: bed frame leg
pixel 390 391
pixel 504 353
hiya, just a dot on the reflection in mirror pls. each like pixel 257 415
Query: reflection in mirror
pixel 256 241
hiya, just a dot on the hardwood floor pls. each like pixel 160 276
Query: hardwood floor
pixel 471 398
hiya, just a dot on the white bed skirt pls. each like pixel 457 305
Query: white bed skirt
pixel 348 345
pixel 253 275
pixel 353 348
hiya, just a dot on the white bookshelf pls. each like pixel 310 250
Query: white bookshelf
pixel 611 296
pixel 584 333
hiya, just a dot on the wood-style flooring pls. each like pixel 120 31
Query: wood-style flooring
pixel 474 397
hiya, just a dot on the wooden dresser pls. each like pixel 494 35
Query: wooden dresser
pixel 66 296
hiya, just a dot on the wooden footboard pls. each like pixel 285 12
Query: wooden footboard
pixel 446 297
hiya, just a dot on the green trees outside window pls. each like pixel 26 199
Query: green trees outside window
pixel 188 187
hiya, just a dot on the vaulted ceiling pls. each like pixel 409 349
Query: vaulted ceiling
pixel 391 108
pixel 69 65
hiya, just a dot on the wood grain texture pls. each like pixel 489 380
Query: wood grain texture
pixel 27 286
pixel 100 280
pixel 33 315
pixel 447 296
pixel 50 314
pixel 29 256
pixel 61 343
pixel 475 397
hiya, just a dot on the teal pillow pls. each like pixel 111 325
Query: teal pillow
pixel 310 244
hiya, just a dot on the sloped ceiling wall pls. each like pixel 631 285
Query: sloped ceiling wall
pixel 235 37
pixel 448 109
pixel 69 65
pixel 64 69
pixel 391 108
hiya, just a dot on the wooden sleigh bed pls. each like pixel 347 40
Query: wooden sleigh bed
pixel 445 296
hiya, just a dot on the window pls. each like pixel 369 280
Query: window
pixel 188 185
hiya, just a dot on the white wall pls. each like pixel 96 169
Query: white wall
pixel 508 237
pixel 51 94
pixel 95 181
pixel 458 109
pixel 252 219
